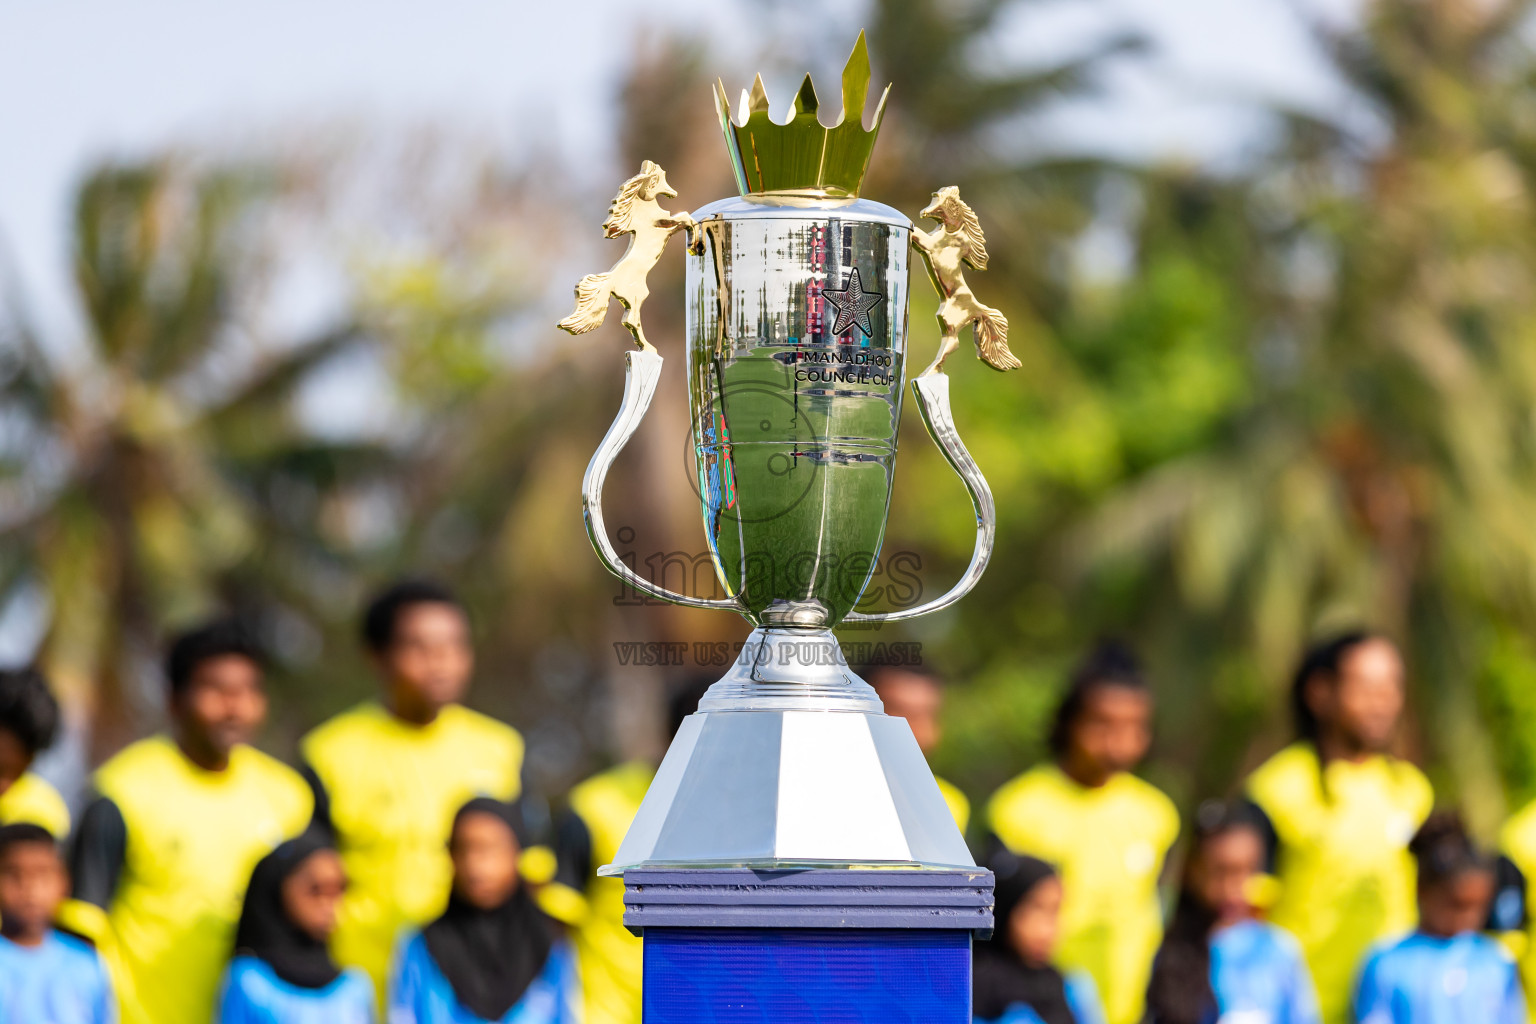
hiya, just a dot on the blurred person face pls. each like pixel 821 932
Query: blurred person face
pixel 429 660
pixel 1221 870
pixel 33 883
pixel 1360 709
pixel 1111 733
pixel 484 852
pixel 312 894
pixel 1456 905
pixel 1035 923
pixel 223 705
pixel 916 698
pixel 15 759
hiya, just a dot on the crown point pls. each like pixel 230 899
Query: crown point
pixel 856 81
pixel 759 97
pixel 880 109
pixel 805 99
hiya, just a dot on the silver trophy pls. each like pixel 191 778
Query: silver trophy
pixel 796 306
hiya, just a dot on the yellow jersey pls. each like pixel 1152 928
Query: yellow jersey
pixel 32 800
pixel 601 811
pixel 173 847
pixel 1109 844
pixel 958 803
pixel 389 790
pixel 1346 877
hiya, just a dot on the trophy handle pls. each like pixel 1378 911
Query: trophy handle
pixel 642 371
pixel 932 394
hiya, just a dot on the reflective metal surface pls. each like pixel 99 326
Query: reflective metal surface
pixel 777 789
pixel 791 670
pixel 796 340
pixel 642 370
pixel 932 393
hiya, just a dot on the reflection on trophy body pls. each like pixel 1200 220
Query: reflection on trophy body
pixel 797 340
pixel 795 367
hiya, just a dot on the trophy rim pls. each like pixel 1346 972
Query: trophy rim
pixel 762 207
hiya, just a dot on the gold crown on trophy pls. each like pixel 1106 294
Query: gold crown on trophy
pixel 803 155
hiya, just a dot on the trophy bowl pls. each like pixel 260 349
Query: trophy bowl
pixel 797 317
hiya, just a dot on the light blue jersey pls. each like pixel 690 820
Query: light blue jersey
pixel 254 994
pixel 1259 976
pixel 420 994
pixel 1423 979
pixel 1082 999
pixel 62 981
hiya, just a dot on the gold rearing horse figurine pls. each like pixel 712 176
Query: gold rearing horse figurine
pixel 957 241
pixel 635 212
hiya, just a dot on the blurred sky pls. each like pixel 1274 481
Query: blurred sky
pixel 81 80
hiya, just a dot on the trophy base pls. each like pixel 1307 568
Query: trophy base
pixel 792 765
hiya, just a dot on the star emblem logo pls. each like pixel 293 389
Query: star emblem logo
pixel 853 304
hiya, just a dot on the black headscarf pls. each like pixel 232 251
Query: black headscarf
pixel 265 930
pixel 490 957
pixel 1001 978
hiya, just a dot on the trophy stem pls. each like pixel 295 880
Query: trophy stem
pixel 791 670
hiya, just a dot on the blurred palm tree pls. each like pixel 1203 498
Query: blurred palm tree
pixel 156 472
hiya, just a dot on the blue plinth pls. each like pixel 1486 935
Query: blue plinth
pixel 823 946
pixel 806 976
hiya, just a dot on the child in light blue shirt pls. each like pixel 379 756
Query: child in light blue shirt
pixel 46 977
pixel 1218 962
pixel 493 957
pixel 1444 972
